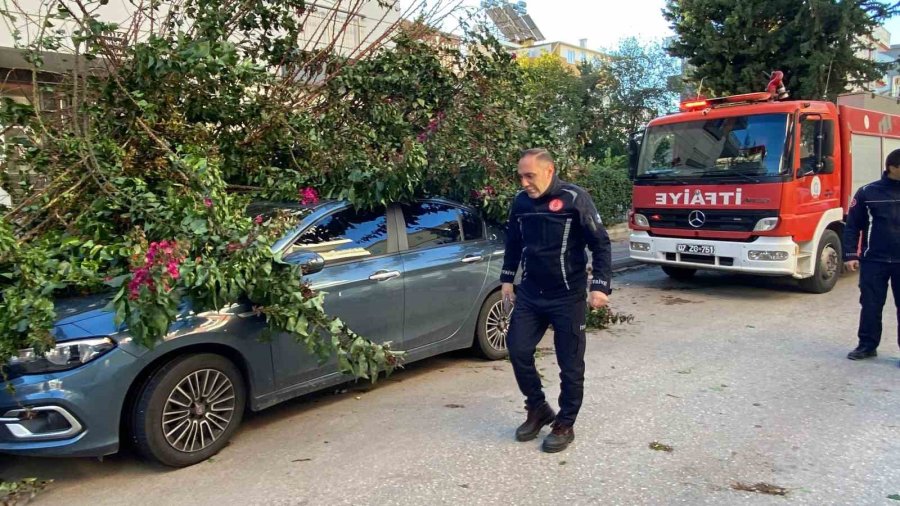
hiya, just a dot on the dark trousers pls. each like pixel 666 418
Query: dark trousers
pixel 873 285
pixel 528 323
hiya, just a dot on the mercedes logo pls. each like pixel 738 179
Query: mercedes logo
pixel 696 219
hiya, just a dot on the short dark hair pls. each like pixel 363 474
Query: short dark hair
pixel 541 154
pixel 892 160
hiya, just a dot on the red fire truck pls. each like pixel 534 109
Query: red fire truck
pixel 756 184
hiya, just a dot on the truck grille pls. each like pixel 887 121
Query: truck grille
pixel 726 220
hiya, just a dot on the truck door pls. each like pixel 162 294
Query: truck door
pixel 818 185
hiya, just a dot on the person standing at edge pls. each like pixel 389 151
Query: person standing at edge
pixel 872 245
pixel 550 223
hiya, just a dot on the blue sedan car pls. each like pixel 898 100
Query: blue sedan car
pixel 424 276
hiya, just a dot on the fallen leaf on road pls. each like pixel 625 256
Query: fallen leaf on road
pixel 562 462
pixel 661 447
pixel 301 460
pixel 464 485
pixel 894 497
pixel 760 488
pixel 453 406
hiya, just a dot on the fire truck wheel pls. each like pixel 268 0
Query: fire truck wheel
pixel 679 273
pixel 828 265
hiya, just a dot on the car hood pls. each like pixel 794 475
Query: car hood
pixel 81 317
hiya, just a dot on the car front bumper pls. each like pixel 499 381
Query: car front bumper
pixel 74 413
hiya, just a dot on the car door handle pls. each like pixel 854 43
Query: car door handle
pixel 384 275
pixel 470 259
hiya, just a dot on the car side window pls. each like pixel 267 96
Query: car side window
pixel 346 235
pixel 432 224
pixel 473 226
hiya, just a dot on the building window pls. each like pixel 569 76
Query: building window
pixel 570 56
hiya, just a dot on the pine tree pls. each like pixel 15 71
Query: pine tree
pixel 733 45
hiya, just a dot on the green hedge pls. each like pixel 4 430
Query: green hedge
pixel 610 189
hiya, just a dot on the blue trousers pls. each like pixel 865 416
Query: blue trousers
pixel 873 285
pixel 528 323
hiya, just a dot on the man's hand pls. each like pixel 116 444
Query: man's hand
pixel 509 294
pixel 598 299
pixel 852 265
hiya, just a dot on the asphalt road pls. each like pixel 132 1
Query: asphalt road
pixel 744 378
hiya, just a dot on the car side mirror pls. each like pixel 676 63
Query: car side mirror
pixel 310 262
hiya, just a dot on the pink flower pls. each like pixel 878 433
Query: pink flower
pixel 422 137
pixel 309 196
pixel 139 278
pixel 172 269
pixel 258 220
pixel 167 247
pixel 207 202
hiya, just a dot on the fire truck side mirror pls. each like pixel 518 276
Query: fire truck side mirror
pixel 634 152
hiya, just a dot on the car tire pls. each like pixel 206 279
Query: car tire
pixel 828 265
pixel 188 410
pixel 679 273
pixel 490 333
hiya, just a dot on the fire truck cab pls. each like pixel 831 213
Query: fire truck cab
pixel 753 184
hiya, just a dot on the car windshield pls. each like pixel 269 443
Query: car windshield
pixel 745 147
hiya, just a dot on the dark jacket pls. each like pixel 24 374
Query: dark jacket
pixel 873 223
pixel 548 236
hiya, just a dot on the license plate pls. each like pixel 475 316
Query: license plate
pixel 696 249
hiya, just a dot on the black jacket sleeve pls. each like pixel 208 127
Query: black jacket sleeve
pixel 857 224
pixel 597 240
pixel 513 254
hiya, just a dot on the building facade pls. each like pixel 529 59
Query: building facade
pixel 573 55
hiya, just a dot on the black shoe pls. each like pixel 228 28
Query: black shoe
pixel 537 418
pixel 559 438
pixel 859 354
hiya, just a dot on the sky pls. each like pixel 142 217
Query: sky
pixel 605 22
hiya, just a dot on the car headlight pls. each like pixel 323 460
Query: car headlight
pixel 63 356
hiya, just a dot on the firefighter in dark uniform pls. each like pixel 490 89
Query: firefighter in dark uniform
pixel 550 224
pixel 872 245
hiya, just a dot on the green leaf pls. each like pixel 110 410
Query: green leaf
pixel 198 226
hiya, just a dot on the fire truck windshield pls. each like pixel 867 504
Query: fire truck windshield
pixel 749 148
